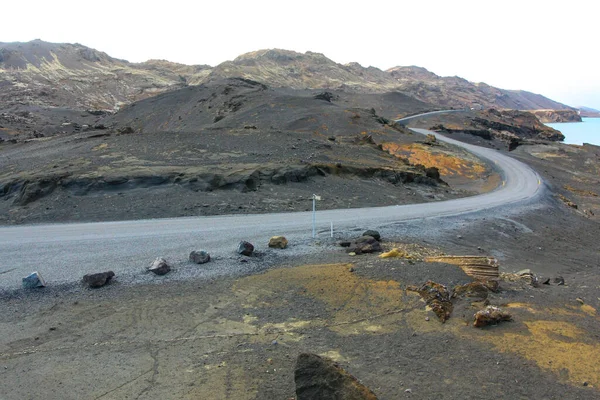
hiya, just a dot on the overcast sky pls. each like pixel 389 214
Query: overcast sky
pixel 548 47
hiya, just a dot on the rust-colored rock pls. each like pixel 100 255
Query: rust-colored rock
pixel 437 297
pixel 278 242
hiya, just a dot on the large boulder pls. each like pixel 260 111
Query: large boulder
pixel 320 378
pixel 372 233
pixel 245 248
pixel 160 266
pixel 34 280
pixel 278 242
pixel 199 257
pixel 364 244
pixel 98 280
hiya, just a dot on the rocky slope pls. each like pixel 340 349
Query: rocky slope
pixel 550 116
pixel 73 76
pixel 502 129
pixel 77 77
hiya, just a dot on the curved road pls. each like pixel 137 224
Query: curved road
pixel 63 253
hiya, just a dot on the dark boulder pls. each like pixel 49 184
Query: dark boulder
pixel 327 96
pixel 245 248
pixel 433 173
pixel 364 244
pixel 320 378
pixel 160 266
pixel 199 257
pixel 98 280
pixel 374 234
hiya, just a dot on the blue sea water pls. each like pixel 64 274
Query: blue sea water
pixel 587 131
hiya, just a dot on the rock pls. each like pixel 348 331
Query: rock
pixel 437 297
pixel 395 252
pixel 373 234
pixel 126 130
pixel 580 300
pixel 98 280
pixel 546 281
pixel 327 96
pixel 528 276
pixel 474 290
pixel 199 257
pixel 364 244
pixel 433 173
pixel 34 280
pixel 160 266
pixel 490 315
pixel 320 378
pixel 245 248
pixel 278 242
pixel 345 244
pixel 559 280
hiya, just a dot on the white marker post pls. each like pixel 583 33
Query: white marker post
pixel 314 199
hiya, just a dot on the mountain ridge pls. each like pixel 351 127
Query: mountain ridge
pixel 91 79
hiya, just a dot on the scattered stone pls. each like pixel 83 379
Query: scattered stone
pixel 160 266
pixel 199 257
pixel 34 280
pixel 427 319
pixel 351 269
pixel 585 383
pixel 98 280
pixel 250 127
pixel 528 277
pixel 374 234
pixel 321 378
pixel 126 130
pixel 365 244
pixel 327 96
pixel 352 254
pixel 345 244
pixel 580 300
pixel 559 280
pixel 546 282
pixel 490 315
pixel 245 248
pixel 395 252
pixel 437 297
pixel 278 242
pixel 408 391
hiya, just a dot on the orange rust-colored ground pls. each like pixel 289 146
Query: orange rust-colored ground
pixel 448 164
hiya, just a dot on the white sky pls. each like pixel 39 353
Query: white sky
pixel 548 47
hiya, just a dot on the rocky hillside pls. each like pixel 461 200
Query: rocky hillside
pixel 550 116
pixel 587 112
pixel 77 77
pixel 458 92
pixel 284 68
pixel 501 129
pixel 73 76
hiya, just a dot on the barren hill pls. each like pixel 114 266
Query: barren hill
pixel 78 77
pixel 233 146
